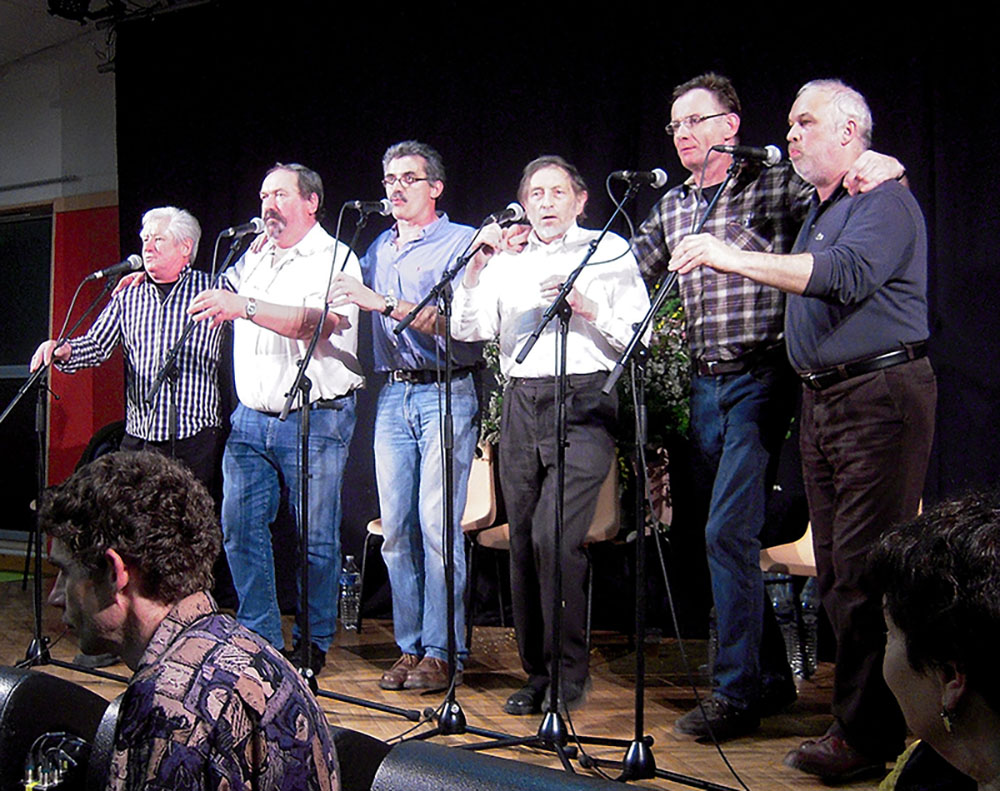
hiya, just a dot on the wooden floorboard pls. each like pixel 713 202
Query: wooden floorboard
pixel 355 663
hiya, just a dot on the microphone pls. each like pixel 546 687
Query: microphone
pixel 655 178
pixel 768 155
pixel 383 207
pixel 256 225
pixel 514 213
pixel 131 264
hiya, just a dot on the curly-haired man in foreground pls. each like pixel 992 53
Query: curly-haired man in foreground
pixel 211 704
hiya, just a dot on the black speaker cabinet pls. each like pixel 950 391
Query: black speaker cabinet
pixel 33 703
pixel 421 766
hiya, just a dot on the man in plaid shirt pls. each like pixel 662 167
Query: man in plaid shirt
pixel 742 388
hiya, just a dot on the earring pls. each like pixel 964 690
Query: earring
pixel 946 720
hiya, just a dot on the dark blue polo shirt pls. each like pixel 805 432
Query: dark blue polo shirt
pixel 868 290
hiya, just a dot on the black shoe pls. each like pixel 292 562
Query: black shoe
pixel 776 696
pixel 527 700
pixel 317 657
pixel 574 695
pixel 727 720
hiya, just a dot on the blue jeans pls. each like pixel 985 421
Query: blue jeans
pixel 261 455
pixel 408 470
pixel 739 422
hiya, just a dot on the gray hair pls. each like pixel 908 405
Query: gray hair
pixel 309 181
pixel 414 148
pixel 181 225
pixel 848 105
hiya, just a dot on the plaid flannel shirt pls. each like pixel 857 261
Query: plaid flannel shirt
pixel 761 210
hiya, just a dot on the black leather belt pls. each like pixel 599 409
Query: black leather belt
pixel 320 403
pixel 330 403
pixel 415 376
pixel 721 367
pixel 740 365
pixel 820 380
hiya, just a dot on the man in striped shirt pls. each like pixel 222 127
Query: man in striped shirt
pixel 183 420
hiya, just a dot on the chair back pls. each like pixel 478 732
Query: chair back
pixel 481 500
pixel 607 519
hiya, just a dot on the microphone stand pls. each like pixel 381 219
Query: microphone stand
pixel 37 652
pixel 169 367
pixel 451 720
pixel 663 288
pixel 552 732
pixel 639 763
pixel 300 388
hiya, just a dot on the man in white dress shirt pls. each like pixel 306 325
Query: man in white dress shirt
pixel 507 299
pixel 278 292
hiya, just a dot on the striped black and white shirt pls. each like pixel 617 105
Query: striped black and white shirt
pixel 147 325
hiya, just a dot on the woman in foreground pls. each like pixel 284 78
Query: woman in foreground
pixel 940 579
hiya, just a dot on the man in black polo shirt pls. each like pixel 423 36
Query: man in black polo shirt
pixel 856 329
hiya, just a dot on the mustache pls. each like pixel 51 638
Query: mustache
pixel 273 214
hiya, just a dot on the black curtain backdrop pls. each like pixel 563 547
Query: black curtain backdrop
pixel 210 97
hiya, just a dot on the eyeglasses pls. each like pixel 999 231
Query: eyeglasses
pixel 690 122
pixel 407 179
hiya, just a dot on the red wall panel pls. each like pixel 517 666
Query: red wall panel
pixel 83 240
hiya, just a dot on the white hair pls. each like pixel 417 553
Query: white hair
pixel 181 225
pixel 847 104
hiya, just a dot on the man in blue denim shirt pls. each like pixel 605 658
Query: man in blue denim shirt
pixel 400 268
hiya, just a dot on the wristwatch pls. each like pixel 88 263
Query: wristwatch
pixel 251 308
pixel 390 304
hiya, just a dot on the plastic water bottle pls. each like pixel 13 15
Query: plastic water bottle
pixel 809 600
pixel 350 593
pixel 780 589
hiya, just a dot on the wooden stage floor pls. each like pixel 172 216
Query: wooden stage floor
pixel 355 662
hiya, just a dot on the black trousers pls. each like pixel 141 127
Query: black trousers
pixel 865 447
pixel 201 452
pixel 529 479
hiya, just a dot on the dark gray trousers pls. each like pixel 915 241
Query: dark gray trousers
pixel 529 481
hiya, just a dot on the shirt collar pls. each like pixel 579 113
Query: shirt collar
pixel 428 231
pixel 574 237
pixel 746 174
pixel 175 287
pixel 312 243
pixel 180 277
pixel 822 205
pixel 184 613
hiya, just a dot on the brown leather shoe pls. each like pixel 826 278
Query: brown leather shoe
pixel 834 760
pixel 395 676
pixel 431 675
